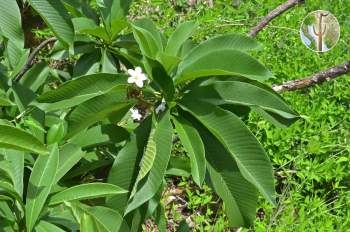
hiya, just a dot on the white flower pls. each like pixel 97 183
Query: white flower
pixel 161 106
pixel 135 114
pixel 137 77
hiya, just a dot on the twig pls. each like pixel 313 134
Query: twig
pixel 315 79
pixel 273 14
pixel 32 56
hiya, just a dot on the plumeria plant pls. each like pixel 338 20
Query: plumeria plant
pixel 86 132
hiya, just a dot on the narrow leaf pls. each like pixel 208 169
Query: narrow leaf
pixel 18 139
pixel 40 183
pixel 86 191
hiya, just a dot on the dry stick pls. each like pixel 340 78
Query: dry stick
pixel 315 79
pixel 31 58
pixel 273 14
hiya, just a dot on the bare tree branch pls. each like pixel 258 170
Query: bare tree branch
pixel 315 79
pixel 32 56
pixel 273 14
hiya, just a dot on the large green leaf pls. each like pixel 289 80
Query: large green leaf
pixel 18 139
pixel 193 145
pixel 112 105
pixel 40 184
pixel 70 154
pixel 124 170
pixel 222 62
pixel 79 90
pixel 109 219
pixel 163 141
pixel 181 34
pixel 86 191
pixel 44 226
pixel 148 44
pixel 239 196
pixel 247 93
pixel 16 165
pixel 233 41
pixel 87 223
pixel 100 135
pixel 56 17
pixel 114 14
pixel 10 22
pixel 248 153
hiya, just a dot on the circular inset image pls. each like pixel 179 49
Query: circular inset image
pixel 320 31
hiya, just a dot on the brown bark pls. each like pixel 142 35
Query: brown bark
pixel 315 79
pixel 273 14
pixel 31 58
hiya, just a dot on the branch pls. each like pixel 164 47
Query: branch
pixel 273 14
pixel 31 58
pixel 315 79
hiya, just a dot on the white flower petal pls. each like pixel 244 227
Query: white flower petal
pixel 143 77
pixel 138 70
pixel 131 80
pixel 131 72
pixel 139 83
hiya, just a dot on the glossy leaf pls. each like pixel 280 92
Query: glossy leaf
pixel 86 191
pixel 56 17
pixel 82 89
pixel 40 183
pixel 126 164
pixel 222 62
pixel 180 35
pixel 250 157
pixel 112 105
pixel 194 146
pixel 239 196
pixel 10 22
pixel 18 139
pixel 163 141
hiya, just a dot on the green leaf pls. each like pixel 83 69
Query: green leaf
pixel 100 135
pixel 16 165
pixel 81 89
pixel 18 139
pixel 56 133
pixel 149 45
pixel 239 196
pixel 163 140
pixel 108 64
pixel 248 153
pixel 125 166
pixel 70 154
pixel 44 226
pixel 40 183
pixel 178 38
pixel 10 22
pixel 88 26
pixel 222 62
pixel 248 93
pixel 56 17
pixel 112 105
pixel 114 14
pixel 86 191
pixel 88 64
pixel 87 223
pixel 160 76
pixel 194 146
pixel 40 71
pixel 109 219
pixel 232 41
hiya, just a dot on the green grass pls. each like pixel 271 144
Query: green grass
pixel 311 158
